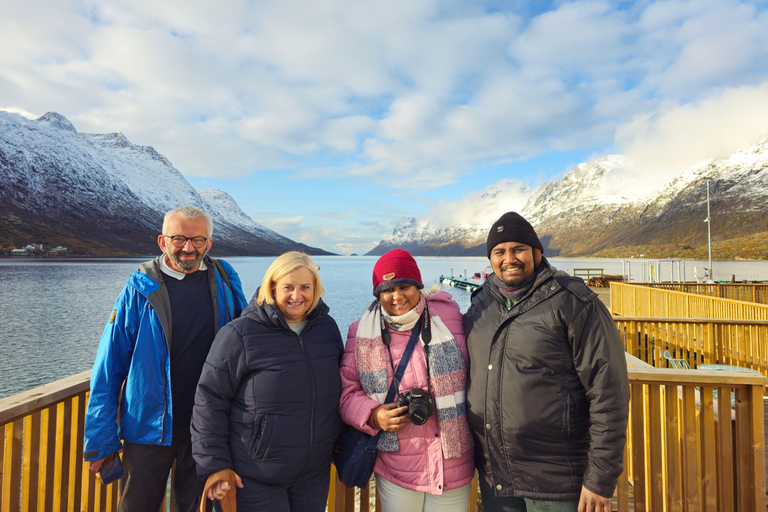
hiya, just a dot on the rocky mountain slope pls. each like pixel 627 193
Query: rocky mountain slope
pixel 594 210
pixel 103 195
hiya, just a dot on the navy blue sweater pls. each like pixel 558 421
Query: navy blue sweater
pixel 267 404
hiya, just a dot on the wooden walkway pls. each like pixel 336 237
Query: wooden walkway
pixel 604 294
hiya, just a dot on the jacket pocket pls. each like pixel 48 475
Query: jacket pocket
pixel 262 433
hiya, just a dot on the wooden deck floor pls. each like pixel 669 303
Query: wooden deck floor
pixel 604 294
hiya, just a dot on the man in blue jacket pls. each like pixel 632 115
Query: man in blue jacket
pixel 150 358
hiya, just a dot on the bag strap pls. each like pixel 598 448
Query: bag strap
pixel 222 272
pixel 415 332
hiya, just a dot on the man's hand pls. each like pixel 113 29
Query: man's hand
pixel 95 465
pixel 220 490
pixel 591 502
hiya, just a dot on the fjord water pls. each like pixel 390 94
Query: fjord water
pixel 52 311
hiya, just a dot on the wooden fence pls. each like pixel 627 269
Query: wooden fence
pixel 698 340
pixel 685 450
pixel 644 301
pixel 747 292
pixel 688 447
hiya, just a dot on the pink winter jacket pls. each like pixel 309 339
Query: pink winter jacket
pixel 419 464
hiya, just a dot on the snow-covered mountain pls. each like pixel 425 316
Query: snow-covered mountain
pixel 102 194
pixel 598 207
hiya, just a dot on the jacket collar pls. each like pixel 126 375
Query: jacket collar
pixel 270 315
pixel 541 290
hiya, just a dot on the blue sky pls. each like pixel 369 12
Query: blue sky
pixel 328 121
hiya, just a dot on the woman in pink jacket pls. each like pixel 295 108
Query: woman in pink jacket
pixel 425 460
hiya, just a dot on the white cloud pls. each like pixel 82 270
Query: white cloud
pixel 403 94
pixel 480 207
pixel 674 137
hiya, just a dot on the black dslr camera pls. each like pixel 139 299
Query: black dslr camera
pixel 420 405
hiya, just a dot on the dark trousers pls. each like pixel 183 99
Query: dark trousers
pixel 309 495
pixel 510 504
pixel 147 467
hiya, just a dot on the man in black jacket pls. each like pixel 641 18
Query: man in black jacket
pixel 548 395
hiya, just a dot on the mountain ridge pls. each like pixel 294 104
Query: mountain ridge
pixel 593 210
pixel 101 195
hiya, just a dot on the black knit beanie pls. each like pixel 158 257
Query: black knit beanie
pixel 511 227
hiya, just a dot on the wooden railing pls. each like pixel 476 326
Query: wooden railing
pixel 634 300
pixel 699 340
pixel 41 457
pixel 689 448
pixel 684 448
pixel 747 292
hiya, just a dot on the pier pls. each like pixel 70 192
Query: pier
pixel 695 439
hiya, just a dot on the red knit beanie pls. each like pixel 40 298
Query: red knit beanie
pixel 395 268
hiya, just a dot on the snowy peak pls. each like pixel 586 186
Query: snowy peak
pixel 88 188
pixel 57 121
pixel 603 204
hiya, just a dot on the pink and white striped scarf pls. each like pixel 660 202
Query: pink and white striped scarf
pixel 446 365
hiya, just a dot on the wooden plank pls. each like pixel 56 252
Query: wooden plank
pixel 340 495
pixel 9 502
pixel 31 464
pixel 2 461
pixel 757 431
pixel 76 461
pixel 18 406
pixel 656 462
pixel 744 499
pixel 691 453
pixel 365 495
pixel 63 438
pixel 47 457
pixel 708 451
pixel 638 446
pixel 674 457
pixel 725 451
pixel 622 487
pixel 694 377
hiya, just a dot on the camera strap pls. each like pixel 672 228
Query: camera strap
pixel 397 375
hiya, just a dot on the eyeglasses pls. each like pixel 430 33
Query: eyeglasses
pixel 180 241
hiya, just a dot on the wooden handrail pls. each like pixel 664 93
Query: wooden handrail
pixel 712 341
pixel 751 292
pixel 681 320
pixel 631 299
pixel 679 448
pixel 39 398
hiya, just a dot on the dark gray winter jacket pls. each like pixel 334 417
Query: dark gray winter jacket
pixel 267 403
pixel 548 394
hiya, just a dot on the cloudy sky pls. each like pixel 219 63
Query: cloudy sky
pixel 329 120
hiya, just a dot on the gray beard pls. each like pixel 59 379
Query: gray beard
pixel 186 265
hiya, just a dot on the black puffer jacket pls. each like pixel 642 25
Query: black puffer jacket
pixel 267 403
pixel 548 394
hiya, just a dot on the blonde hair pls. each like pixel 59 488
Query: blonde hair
pixel 281 267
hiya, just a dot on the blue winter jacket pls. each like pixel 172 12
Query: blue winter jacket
pixel 267 404
pixel 132 371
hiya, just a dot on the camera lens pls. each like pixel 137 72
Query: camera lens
pixel 418 412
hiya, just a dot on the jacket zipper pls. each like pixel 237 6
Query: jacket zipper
pixel 312 409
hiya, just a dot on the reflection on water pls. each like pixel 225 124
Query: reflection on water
pixel 52 312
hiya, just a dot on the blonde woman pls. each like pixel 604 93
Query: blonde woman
pixel 267 400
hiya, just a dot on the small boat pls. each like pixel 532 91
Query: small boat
pixel 465 282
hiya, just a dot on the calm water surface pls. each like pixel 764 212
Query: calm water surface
pixel 52 312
